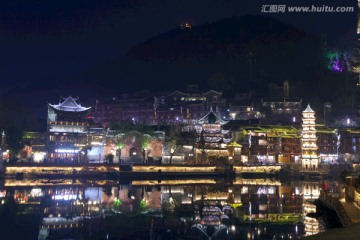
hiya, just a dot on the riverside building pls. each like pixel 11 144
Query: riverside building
pixel 68 131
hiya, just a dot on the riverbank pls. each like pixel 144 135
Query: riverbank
pixel 351 231
pixel 348 214
pixel 113 171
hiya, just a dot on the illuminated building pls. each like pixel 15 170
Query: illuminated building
pixel 136 109
pixel 178 107
pixel 211 139
pixel 327 142
pixel 67 130
pixel 309 156
pixel 244 107
pixel 349 145
pixel 188 106
pixel 34 146
pixel 281 110
pixel 269 144
pixel 243 110
pixel 185 25
pixel 281 106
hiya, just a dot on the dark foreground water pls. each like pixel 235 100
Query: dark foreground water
pixel 184 209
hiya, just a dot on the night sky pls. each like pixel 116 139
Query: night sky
pixel 44 41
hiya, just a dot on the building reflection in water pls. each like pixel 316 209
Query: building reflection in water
pixel 310 191
pixel 243 209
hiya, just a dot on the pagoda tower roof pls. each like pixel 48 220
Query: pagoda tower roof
pixel 211 118
pixel 69 105
pixel 308 109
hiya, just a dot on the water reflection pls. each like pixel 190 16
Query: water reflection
pixel 207 209
pixel 310 192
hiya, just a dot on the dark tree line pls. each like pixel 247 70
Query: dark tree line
pixel 15 119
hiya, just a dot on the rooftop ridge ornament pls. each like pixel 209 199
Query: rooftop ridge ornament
pixel 308 109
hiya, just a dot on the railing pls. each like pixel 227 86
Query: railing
pixel 335 204
pixel 72 123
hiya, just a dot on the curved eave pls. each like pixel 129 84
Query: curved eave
pixel 204 120
pixel 224 131
pixel 178 92
pixel 221 122
pixel 69 109
pixel 212 91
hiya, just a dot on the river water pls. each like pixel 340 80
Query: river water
pixel 167 209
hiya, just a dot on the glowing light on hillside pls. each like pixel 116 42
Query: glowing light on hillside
pixel 336 62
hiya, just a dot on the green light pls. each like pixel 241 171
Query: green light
pixel 117 202
pixel 142 204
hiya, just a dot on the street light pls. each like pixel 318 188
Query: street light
pixel 172 150
pixel 326 105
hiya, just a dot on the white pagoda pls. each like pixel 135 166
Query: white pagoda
pixel 309 156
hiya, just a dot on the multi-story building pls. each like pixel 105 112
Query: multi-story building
pixel 244 107
pixel 160 108
pixel 71 135
pixel 67 131
pixel 269 144
pixel 187 107
pixel 243 110
pixel 348 145
pixel 281 110
pixel 283 144
pixel 327 141
pixel 134 109
pixel 212 139
pixel 281 106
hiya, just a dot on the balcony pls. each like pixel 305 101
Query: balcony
pixel 70 123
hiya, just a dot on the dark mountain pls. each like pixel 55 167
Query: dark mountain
pixel 236 54
pixel 233 54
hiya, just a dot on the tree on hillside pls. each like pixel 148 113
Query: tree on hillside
pixel 126 126
pixel 172 142
pixel 222 82
pixel 201 145
pixel 15 118
pixel 14 141
pixel 175 138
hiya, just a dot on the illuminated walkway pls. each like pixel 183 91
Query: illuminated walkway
pixel 350 231
pixel 352 210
